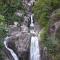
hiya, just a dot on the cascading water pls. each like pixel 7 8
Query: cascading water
pixel 34 48
pixel 32 25
pixel 10 50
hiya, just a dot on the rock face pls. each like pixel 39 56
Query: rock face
pixel 22 45
pixel 19 42
pixel 13 30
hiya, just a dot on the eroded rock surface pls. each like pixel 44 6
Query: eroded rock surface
pixel 23 45
pixel 19 42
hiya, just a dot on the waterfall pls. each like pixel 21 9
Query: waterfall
pixel 34 48
pixel 10 50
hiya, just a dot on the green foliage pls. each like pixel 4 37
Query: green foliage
pixel 2 26
pixel 53 49
pixel 18 19
pixel 2 34
pixel 7 16
pixel 1 56
pixel 42 11
pixel 8 9
pixel 1 18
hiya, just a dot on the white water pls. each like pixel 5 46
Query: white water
pixel 10 50
pixel 32 24
pixel 34 48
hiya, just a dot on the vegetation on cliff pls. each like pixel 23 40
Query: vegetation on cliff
pixel 43 10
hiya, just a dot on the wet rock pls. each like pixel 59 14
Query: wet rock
pixel 24 28
pixel 20 44
pixel 23 45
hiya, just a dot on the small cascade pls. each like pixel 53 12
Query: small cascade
pixel 34 48
pixel 10 50
pixel 32 24
pixel 32 18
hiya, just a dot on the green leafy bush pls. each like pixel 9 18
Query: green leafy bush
pixel 8 9
pixel 43 9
